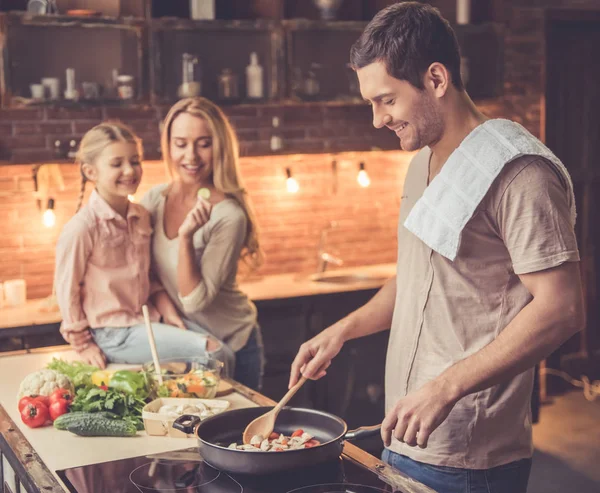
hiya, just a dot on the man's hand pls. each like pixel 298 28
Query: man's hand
pixel 315 355
pixel 414 417
pixel 167 310
pixel 93 355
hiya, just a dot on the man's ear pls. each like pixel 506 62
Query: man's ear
pixel 437 78
pixel 89 171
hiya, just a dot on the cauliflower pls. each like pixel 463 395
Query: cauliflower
pixel 43 382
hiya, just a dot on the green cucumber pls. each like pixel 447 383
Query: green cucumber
pixel 98 426
pixel 63 421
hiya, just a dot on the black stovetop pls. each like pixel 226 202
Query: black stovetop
pixel 184 471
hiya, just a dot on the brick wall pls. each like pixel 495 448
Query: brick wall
pixel 28 135
pixel 290 223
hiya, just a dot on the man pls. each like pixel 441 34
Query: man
pixel 487 277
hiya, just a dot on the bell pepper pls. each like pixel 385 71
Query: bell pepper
pixel 101 377
pixel 131 382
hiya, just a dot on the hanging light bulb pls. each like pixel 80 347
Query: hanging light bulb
pixel 363 177
pixel 291 183
pixel 131 198
pixel 49 218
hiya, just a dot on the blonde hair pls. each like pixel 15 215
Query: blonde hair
pixel 95 141
pixel 227 177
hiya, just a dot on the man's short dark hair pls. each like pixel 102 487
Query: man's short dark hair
pixel 408 37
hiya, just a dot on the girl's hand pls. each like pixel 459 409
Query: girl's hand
pixel 196 218
pixel 79 340
pixel 93 355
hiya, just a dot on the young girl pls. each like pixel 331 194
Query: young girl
pixel 198 241
pixel 103 264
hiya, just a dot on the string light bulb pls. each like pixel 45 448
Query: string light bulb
pixel 49 218
pixel 363 177
pixel 291 183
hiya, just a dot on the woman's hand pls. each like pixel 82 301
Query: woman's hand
pixel 196 218
pixel 167 310
pixel 93 355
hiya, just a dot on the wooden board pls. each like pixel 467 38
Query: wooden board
pixel 225 388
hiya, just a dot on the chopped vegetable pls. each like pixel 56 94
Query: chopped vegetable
pixel 79 372
pixel 278 442
pixel 43 382
pixel 199 383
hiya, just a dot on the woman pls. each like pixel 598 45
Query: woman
pixel 198 241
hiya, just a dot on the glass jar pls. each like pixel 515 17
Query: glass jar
pixel 125 88
pixel 228 85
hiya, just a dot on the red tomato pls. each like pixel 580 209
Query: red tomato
pixel 273 436
pixel 35 414
pixel 58 408
pixel 59 394
pixel 29 399
pixel 298 433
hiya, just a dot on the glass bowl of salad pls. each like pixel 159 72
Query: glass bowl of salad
pixel 190 377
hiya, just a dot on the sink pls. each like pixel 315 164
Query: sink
pixel 347 278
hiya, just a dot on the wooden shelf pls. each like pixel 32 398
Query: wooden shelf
pixel 170 38
pixel 45 46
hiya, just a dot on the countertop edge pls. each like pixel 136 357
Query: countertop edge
pixel 265 289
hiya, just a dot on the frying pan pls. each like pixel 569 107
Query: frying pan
pixel 217 432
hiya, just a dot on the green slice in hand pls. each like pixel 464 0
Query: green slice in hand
pixel 204 193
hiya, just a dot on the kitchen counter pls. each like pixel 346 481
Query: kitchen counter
pixel 280 286
pixel 60 450
pixel 36 454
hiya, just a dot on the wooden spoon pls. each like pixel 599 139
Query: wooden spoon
pixel 152 344
pixel 263 425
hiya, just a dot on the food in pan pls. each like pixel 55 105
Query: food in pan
pixel 277 442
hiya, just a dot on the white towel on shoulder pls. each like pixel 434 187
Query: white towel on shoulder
pixel 452 197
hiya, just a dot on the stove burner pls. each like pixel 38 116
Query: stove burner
pixel 160 475
pixel 184 471
pixel 337 488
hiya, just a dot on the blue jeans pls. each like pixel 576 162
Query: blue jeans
pixel 508 478
pixel 249 361
pixel 130 344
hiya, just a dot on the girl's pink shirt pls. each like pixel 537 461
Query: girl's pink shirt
pixel 103 267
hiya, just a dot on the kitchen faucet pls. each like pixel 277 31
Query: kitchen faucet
pixel 324 258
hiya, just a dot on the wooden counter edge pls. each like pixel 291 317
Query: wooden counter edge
pixel 31 471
